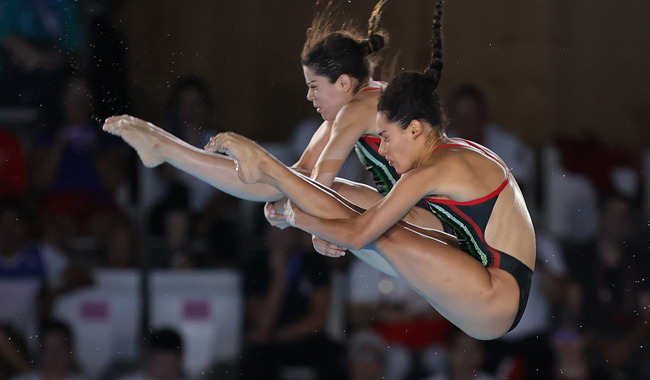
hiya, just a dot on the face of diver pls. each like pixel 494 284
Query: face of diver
pixel 396 144
pixel 328 98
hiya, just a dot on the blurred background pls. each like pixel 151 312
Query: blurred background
pixel 109 270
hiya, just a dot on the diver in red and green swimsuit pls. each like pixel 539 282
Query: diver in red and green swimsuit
pixel 481 283
pixel 468 221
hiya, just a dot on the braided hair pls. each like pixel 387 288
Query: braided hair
pixel 412 95
pixel 332 53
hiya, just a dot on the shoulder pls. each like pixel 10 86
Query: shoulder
pixel 457 173
pixel 360 112
pixel 470 156
pixel 446 163
pixel 425 180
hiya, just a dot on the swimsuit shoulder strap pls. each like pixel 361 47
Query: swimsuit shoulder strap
pixel 458 142
pixel 383 85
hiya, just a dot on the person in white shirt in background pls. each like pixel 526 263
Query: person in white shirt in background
pixel 469 118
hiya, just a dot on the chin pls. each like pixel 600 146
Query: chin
pixel 399 169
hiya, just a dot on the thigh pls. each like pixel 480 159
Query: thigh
pixel 365 196
pixel 455 283
pixel 360 194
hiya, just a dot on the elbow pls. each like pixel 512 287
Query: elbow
pixel 358 242
pixel 344 232
pixel 356 239
pixel 356 246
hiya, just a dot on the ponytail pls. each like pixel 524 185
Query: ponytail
pixel 375 40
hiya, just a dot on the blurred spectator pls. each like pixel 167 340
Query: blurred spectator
pixel 189 111
pixel 609 168
pixel 287 303
pixel 465 359
pixel 189 208
pixel 31 273
pixel 13 174
pixel 108 80
pixel 163 359
pixel 14 358
pixel 612 271
pixel 569 347
pixel 56 359
pixel 412 328
pixel 39 41
pixel 77 170
pixel 300 138
pixel 469 118
pixel 366 356
pixel 120 243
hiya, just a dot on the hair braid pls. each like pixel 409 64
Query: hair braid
pixel 412 95
pixel 434 71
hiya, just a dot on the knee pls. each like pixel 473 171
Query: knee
pixel 492 323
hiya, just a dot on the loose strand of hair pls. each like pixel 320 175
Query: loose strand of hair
pixel 320 27
pixel 375 16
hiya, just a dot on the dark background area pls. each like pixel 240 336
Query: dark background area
pixel 547 66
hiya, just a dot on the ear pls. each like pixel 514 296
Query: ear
pixel 415 128
pixel 344 83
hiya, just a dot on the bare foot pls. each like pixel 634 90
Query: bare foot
pixel 250 158
pixel 144 137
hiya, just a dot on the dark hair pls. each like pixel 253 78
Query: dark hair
pixel 24 215
pixel 165 339
pixel 334 53
pixel 18 343
pixel 607 197
pixel 16 205
pixel 412 96
pixel 189 82
pixel 55 326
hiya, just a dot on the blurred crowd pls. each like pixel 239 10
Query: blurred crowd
pixel 74 199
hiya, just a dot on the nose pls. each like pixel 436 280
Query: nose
pixel 382 147
pixel 310 94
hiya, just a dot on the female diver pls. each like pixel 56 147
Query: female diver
pixel 482 285
pixel 337 66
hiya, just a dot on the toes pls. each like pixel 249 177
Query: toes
pixel 109 127
pixel 211 145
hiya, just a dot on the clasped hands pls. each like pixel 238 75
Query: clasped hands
pixel 282 214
